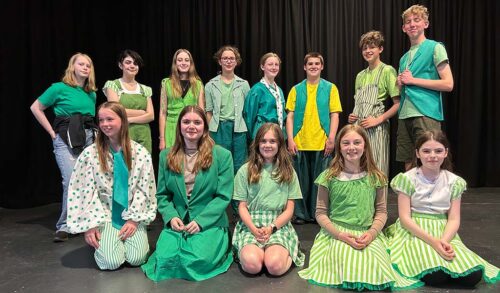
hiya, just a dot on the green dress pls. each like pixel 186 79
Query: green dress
pixel 266 200
pixel 411 255
pixel 204 254
pixel 332 262
pixel 139 132
pixel 175 106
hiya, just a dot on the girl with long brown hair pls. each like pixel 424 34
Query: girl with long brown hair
pixel 182 88
pixel 112 193
pixel 266 187
pixel 349 252
pixel 195 184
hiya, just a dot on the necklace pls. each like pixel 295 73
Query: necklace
pixel 184 85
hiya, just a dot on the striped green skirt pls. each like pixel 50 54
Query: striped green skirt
pixel 336 264
pixel 285 236
pixel 413 257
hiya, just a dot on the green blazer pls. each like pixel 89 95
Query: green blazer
pixel 212 192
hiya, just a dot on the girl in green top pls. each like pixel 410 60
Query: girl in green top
pixel 266 188
pixel 349 252
pixel 74 95
pixel 181 89
pixel 135 97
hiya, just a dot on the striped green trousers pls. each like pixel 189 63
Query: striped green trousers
pixel 113 251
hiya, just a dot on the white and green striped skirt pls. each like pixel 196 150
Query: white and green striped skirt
pixel 413 257
pixel 334 263
pixel 285 236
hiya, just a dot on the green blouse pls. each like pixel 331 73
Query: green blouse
pixel 267 194
pixel 351 202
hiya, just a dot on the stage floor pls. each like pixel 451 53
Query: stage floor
pixel 31 262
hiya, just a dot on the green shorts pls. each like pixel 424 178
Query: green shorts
pixel 408 131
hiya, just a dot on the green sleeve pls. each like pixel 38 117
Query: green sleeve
pixel 251 108
pixel 209 97
pixel 458 187
pixel 223 193
pixel 440 54
pixel 241 184
pixel 111 84
pixel 390 81
pixel 164 196
pixel 49 97
pixel 322 179
pixel 148 91
pixel 294 191
pixel 401 183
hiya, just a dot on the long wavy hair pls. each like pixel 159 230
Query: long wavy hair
pixel 69 77
pixel 436 135
pixel 366 162
pixel 283 168
pixel 102 141
pixel 175 159
pixel 175 77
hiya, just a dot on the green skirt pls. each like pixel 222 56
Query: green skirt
pixel 333 263
pixel 413 257
pixel 193 257
pixel 285 236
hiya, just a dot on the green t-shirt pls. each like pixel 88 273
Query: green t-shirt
pixel 408 109
pixel 267 194
pixel 68 100
pixel 387 86
pixel 227 102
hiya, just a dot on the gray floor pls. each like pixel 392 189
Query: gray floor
pixel 30 262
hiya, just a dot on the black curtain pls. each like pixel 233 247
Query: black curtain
pixel 38 37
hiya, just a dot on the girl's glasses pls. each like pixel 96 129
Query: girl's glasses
pixel 228 59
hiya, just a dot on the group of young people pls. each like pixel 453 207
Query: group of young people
pixel 286 175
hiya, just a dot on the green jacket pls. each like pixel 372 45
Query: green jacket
pixel 213 102
pixel 212 192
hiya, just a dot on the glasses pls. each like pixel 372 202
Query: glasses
pixel 228 59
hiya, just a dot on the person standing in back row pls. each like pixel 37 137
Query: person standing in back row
pixel 73 100
pixel 424 72
pixel 313 118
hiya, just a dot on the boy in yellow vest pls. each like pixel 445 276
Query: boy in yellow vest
pixel 313 108
pixel 424 72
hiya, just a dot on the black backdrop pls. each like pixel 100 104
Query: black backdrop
pixel 38 37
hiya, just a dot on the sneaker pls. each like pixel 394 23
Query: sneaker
pixel 61 236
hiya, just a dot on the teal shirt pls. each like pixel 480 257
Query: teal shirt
pixel 68 100
pixel 213 98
